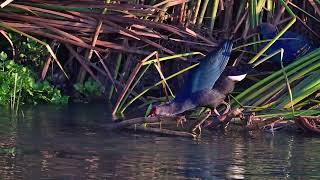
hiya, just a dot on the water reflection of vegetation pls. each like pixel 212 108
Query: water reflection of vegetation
pixel 58 146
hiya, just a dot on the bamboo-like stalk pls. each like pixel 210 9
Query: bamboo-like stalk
pixel 164 82
pixel 253 18
pixel 286 78
pixel 278 87
pixel 116 72
pixel 288 114
pixel 301 90
pixel 162 12
pixel 202 13
pixel 106 70
pixel 241 9
pixel 215 5
pixel 89 52
pixel 305 12
pixel 302 70
pixel 81 60
pixel 303 95
pixel 252 91
pixel 131 78
pixel 133 86
pixel 253 13
pixel 270 8
pixel 157 84
pixel 259 42
pixel 196 12
pixel 170 57
pixel 260 5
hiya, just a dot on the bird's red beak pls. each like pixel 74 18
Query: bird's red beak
pixel 152 112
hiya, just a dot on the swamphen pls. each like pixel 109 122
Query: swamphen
pixel 204 86
pixel 293 48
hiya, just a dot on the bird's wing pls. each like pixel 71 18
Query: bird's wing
pixel 207 73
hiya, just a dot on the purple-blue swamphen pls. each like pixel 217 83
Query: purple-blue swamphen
pixel 295 46
pixel 206 86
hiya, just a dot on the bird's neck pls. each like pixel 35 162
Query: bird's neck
pixel 225 85
pixel 168 109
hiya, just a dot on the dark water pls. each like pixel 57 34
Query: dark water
pixel 68 143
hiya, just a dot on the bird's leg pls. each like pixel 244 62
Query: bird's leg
pixel 227 108
pixel 181 120
pixel 225 112
pixel 215 111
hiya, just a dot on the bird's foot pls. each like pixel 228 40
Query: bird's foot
pixel 224 114
pixel 181 120
pixel 215 111
pixel 226 111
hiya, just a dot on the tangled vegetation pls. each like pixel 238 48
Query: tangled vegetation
pixel 122 50
pixel 19 84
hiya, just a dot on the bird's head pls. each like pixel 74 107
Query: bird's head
pixel 266 30
pixel 161 110
pixel 238 73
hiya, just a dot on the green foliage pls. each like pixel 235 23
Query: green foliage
pixel 89 88
pixel 32 92
pixel 29 52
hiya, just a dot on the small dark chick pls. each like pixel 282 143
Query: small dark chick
pixel 295 45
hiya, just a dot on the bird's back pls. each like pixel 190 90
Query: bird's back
pixel 207 73
pixel 199 83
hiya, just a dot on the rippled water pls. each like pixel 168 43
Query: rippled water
pixel 69 143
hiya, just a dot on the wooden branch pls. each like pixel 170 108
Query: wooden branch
pixel 139 120
pixel 225 119
pixel 164 131
pixel 261 124
pixel 308 123
pixel 203 119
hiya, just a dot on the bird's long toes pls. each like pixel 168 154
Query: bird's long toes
pixel 226 111
pixel 215 111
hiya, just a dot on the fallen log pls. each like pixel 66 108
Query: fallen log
pixel 139 120
pixel 163 131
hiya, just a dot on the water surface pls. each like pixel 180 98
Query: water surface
pixel 69 142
